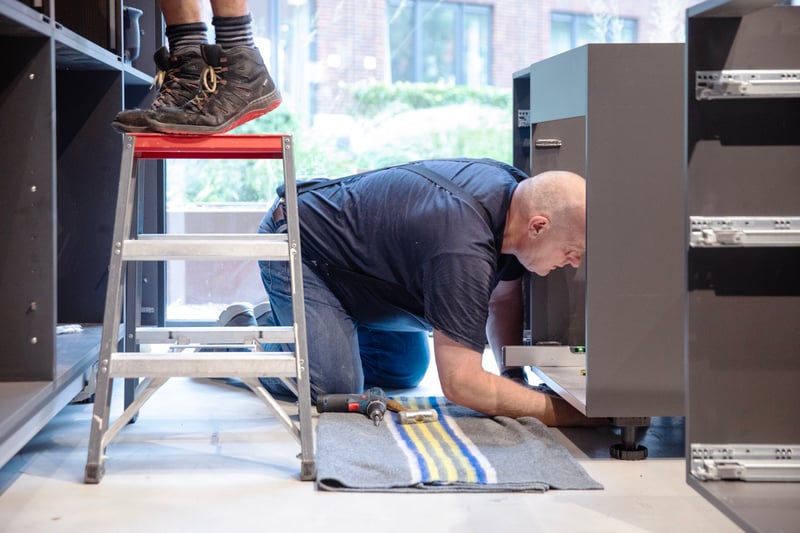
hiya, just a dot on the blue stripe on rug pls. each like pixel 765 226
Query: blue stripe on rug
pixel 443 454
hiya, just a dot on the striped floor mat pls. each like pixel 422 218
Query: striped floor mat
pixel 461 451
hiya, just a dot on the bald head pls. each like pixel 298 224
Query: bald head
pixel 556 194
pixel 546 222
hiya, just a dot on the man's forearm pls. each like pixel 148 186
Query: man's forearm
pixel 465 382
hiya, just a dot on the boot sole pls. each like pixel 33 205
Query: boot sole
pixel 119 127
pixel 183 129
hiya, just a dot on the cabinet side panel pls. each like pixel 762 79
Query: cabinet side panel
pixel 521 137
pixel 27 255
pixel 635 230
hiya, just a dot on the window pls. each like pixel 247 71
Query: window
pixel 439 42
pixel 230 196
pixel 570 30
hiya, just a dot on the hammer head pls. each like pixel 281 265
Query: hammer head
pixel 417 416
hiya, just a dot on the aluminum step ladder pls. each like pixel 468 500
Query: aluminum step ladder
pixel 200 351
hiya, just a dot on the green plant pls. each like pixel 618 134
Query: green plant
pixel 372 99
pixel 391 123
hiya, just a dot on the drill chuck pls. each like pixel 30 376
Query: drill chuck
pixel 375 410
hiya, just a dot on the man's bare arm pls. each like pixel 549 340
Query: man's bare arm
pixel 465 382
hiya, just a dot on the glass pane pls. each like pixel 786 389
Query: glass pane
pixel 628 31
pixel 588 29
pixel 560 33
pixel 208 197
pixel 401 40
pixel 438 42
pixel 476 47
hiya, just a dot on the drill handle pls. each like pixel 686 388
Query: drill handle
pixel 339 403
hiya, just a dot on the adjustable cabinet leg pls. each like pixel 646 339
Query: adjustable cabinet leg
pixel 628 449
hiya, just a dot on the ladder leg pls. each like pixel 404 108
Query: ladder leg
pixel 307 464
pixel 143 392
pixel 274 406
pixel 111 316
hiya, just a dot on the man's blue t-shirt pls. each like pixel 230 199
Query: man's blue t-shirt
pixel 401 252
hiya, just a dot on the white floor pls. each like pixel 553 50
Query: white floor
pixel 207 456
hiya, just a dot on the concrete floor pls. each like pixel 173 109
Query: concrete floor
pixel 208 456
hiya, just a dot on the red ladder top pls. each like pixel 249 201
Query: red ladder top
pixel 225 146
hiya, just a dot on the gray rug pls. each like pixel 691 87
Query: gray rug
pixel 462 452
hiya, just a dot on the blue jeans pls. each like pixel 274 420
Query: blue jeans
pixel 344 356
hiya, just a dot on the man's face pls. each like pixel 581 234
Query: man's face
pixel 546 251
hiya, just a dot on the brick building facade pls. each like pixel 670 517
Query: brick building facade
pixel 351 39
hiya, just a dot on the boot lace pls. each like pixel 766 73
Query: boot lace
pixel 209 79
pixel 170 86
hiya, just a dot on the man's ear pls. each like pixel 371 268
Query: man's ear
pixel 537 224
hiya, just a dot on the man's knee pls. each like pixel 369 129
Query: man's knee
pixel 394 359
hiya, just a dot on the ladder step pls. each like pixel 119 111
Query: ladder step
pixel 240 146
pixel 214 335
pixel 202 365
pixel 215 247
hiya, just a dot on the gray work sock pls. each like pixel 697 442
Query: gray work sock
pixel 234 31
pixel 180 35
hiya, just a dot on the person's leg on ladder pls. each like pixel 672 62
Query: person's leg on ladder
pixel 178 66
pixel 236 86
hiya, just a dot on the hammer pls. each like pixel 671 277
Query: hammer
pixel 411 416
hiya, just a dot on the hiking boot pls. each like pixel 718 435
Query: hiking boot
pixel 263 314
pixel 235 315
pixel 236 88
pixel 177 80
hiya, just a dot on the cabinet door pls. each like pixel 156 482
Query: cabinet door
pixel 558 302
pixel 570 155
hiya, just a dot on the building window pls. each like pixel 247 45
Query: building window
pixel 570 30
pixel 439 42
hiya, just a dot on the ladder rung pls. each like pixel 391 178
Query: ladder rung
pixel 217 247
pixel 211 335
pixel 205 364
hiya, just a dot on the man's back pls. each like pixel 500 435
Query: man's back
pixel 392 243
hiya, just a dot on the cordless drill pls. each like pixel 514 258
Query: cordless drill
pixel 371 403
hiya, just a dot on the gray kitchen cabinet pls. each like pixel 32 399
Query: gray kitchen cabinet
pixel 608 336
